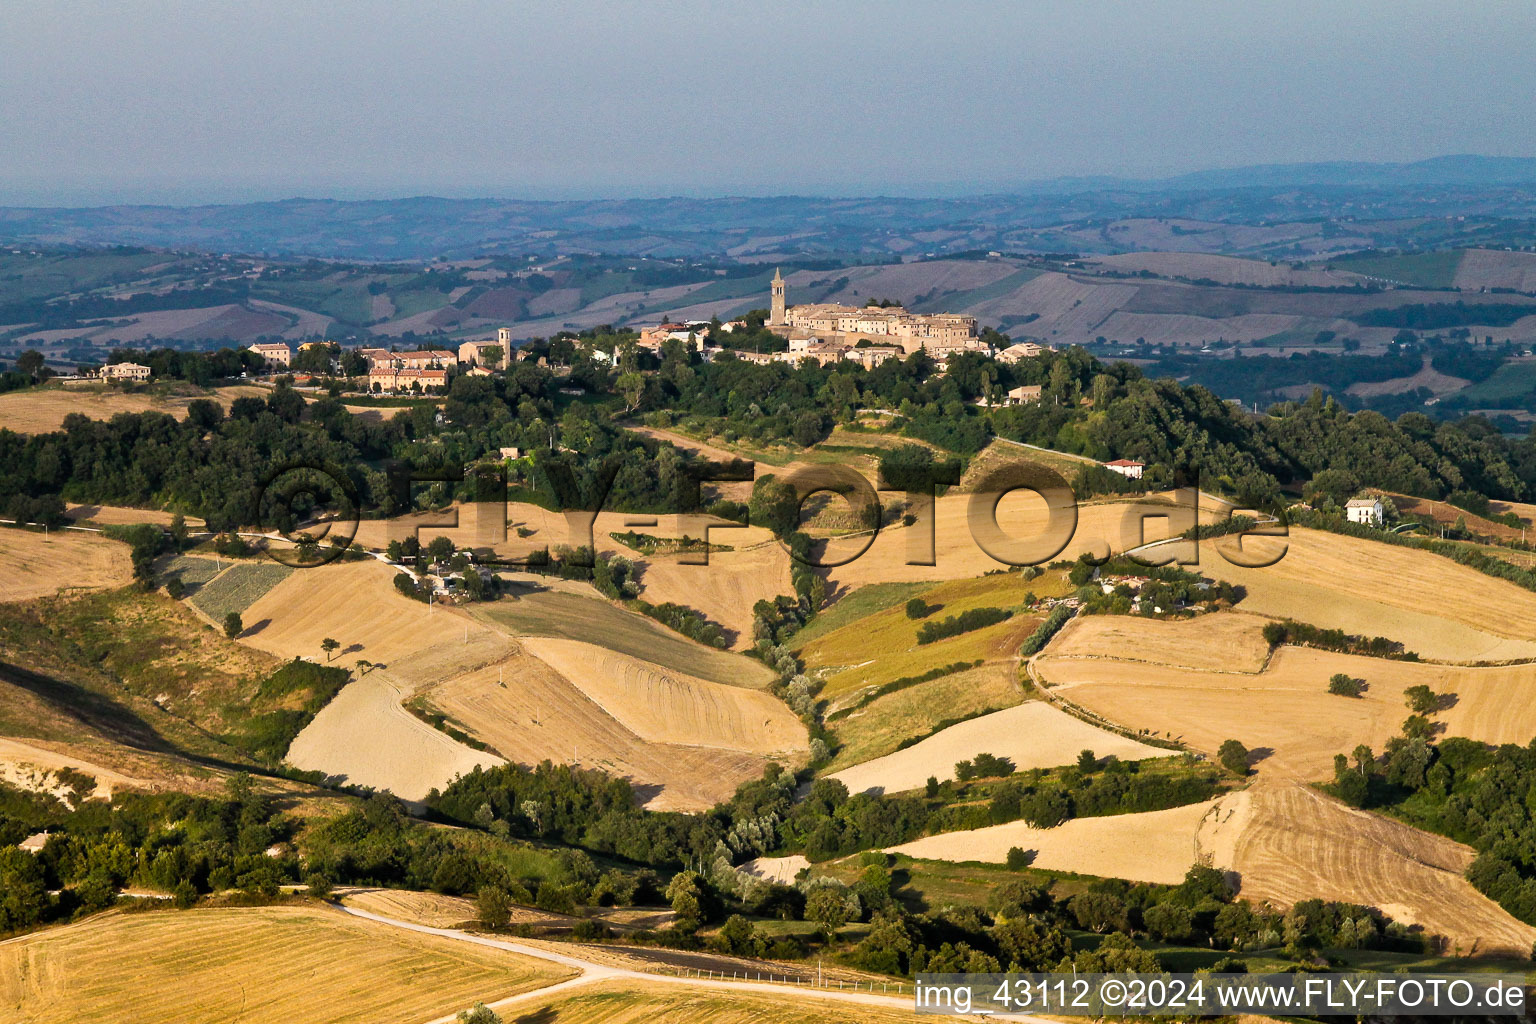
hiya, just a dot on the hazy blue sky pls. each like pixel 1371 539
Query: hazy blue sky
pixel 217 101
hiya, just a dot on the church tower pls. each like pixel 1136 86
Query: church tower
pixel 776 300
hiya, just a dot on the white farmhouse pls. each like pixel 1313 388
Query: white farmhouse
pixel 1365 511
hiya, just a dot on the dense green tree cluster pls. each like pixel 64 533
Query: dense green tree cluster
pixel 1472 792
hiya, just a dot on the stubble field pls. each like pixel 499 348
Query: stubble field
pixel 37 566
pixel 188 967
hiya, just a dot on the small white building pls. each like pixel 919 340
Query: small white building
pixel 1365 511
pixel 1128 468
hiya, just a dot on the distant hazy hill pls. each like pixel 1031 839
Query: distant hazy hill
pixel 1039 216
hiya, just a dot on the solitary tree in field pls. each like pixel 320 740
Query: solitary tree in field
pixel 363 665
pixel 493 907
pixel 917 608
pixel 1086 762
pixel 1233 757
pixel 1344 685
pixel 479 1014
pixel 1421 699
pixel 329 646
pixel 233 627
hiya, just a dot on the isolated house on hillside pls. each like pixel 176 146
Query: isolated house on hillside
pixel 1365 511
pixel 123 371
pixel 1128 468
pixel 1024 395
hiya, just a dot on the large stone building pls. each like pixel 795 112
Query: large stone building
pixel 123 371
pixel 830 322
pixel 275 355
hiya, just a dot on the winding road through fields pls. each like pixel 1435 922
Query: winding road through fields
pixel 592 972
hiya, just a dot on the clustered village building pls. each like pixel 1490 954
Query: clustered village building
pixel 822 333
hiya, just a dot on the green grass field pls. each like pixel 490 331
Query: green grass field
pixel 881 727
pixel 861 602
pixel 1511 380
pixel 238 587
pixel 594 621
pixel 1427 269
pixel 881 645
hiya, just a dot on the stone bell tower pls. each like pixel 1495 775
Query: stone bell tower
pixel 776 300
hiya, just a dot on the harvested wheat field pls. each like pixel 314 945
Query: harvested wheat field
pixel 1102 527
pixel 41 410
pixel 427 908
pixel 356 604
pixel 542 606
pixel 1494 268
pixel 1297 844
pixel 1224 269
pixel 1285 713
pixel 1220 642
pixel 677 1002
pixel 118 515
pixel 365 737
pixel 218 964
pixel 1154 846
pixel 726 589
pixel 37 565
pixel 529 713
pixel 881 726
pixel 660 706
pixel 1031 735
pixel 1441 610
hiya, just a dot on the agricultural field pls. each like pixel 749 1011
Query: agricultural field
pixel 1152 846
pixel 883 725
pixel 568 613
pixel 1427 269
pixel 1102 527
pixel 1031 735
pixel 1494 268
pixel 1220 642
pixel 1285 712
pixel 37 565
pixel 686 753
pixel 528 712
pixel 193 571
pixel 40 410
pixel 882 646
pixel 366 737
pixel 1371 589
pixel 118 515
pixel 1516 378
pixel 1294 843
pixel 218 964
pixel 661 706
pixel 661 1002
pixel 235 588
pixel 1223 269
